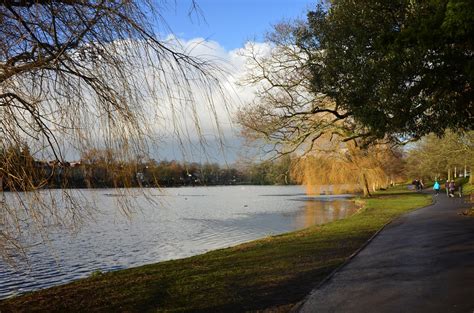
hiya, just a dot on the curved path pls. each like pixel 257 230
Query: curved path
pixel 421 262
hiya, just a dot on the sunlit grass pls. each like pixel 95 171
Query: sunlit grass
pixel 468 189
pixel 275 272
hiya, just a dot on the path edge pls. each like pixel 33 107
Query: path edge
pixel 296 308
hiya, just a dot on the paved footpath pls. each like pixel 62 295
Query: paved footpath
pixel 421 262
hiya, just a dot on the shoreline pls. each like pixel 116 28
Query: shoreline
pixel 239 228
pixel 273 272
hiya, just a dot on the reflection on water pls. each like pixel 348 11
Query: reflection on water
pixel 184 222
pixel 317 212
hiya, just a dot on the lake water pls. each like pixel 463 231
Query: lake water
pixel 177 223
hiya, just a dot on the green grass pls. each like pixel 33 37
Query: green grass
pixel 275 272
pixel 468 189
pixel 401 189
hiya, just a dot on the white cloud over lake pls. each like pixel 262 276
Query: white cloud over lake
pixel 183 118
pixel 215 119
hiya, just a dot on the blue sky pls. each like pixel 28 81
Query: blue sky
pixel 232 22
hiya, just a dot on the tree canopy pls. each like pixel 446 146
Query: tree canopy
pixel 402 68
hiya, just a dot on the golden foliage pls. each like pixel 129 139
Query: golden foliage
pixel 348 168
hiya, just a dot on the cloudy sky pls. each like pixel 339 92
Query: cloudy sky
pixel 218 30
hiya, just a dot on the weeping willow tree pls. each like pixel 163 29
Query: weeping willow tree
pixel 78 75
pixel 349 169
pixel 288 116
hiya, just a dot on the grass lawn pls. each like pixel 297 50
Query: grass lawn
pixel 275 272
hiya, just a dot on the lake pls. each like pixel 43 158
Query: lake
pixel 172 223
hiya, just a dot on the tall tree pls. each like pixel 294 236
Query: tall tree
pixel 289 116
pixel 286 113
pixel 402 68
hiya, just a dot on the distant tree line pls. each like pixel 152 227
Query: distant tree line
pixel 102 168
pixel 448 157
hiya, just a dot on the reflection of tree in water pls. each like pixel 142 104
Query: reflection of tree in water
pixel 321 212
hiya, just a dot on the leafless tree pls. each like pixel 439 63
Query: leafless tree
pixel 78 73
pixel 287 116
pixel 286 112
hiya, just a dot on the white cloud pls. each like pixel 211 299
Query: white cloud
pixel 210 118
pixel 177 120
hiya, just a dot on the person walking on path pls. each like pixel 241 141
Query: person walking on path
pixel 452 188
pixel 436 188
pixel 421 184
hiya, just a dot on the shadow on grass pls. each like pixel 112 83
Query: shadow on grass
pixel 395 193
pixel 286 294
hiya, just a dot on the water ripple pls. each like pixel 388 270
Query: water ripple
pixel 194 221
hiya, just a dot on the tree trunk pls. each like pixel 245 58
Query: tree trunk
pixel 366 183
pixel 471 181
